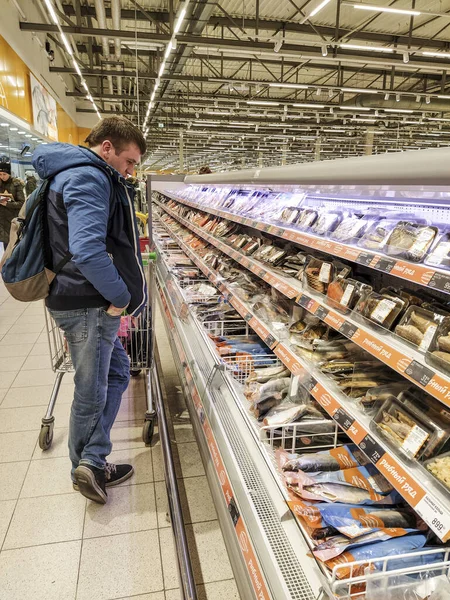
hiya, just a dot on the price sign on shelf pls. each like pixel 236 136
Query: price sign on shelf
pixel 435 515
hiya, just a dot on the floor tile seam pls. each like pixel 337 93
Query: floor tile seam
pixel 81 549
pixel 77 539
pixel 15 506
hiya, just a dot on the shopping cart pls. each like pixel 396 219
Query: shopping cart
pixel 137 336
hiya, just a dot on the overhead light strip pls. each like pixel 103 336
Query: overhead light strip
pixel 171 45
pixel 68 47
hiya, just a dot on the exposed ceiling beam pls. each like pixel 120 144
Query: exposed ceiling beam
pixel 273 25
pixel 305 52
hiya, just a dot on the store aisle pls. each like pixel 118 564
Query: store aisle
pixel 56 545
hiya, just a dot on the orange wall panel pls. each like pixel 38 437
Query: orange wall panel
pixel 15 93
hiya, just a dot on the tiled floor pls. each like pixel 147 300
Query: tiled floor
pixel 56 545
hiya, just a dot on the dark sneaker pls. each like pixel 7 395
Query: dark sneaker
pixel 114 475
pixel 90 482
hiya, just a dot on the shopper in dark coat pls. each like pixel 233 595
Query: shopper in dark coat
pixel 30 184
pixel 11 199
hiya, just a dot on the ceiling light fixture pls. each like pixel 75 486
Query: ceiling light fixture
pixel 355 108
pixel 262 103
pixel 398 110
pixel 358 90
pixel 388 9
pixel 308 105
pixel 318 8
pixel 292 86
pixel 368 48
pixel 68 47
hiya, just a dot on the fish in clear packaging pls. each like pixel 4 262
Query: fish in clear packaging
pixel 286 415
pixel 266 389
pixel 263 405
pixel 335 459
pixel 265 375
pixel 337 492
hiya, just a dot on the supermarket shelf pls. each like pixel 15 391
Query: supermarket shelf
pixel 429 277
pixel 265 554
pixel 388 349
pixel 412 481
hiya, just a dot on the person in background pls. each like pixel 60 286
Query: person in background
pixel 205 170
pixel 11 198
pixel 30 183
pixel 92 227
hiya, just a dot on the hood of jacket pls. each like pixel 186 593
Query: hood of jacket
pixel 51 159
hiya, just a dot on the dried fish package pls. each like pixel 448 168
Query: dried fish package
pixel 410 240
pixel 404 431
pixel 318 274
pixel 306 219
pixel 438 353
pixel 439 255
pixel 326 223
pixel 381 308
pixel 352 227
pixel 289 215
pixel 376 235
pixel 376 396
pixel 418 326
pixel 439 467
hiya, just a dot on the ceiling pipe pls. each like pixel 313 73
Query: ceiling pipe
pixel 377 101
pixel 116 18
pixel 101 19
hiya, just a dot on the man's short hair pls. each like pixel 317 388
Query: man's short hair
pixel 119 131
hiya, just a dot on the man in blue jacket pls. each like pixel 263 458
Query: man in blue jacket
pixel 91 224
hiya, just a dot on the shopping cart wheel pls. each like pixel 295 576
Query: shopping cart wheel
pixel 46 434
pixel 148 429
pixel 135 372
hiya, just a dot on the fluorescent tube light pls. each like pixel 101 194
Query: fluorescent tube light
pixel 292 86
pixel 262 103
pixel 66 44
pixel 161 68
pixel 388 9
pixel 307 105
pixel 437 54
pixel 443 97
pixel 356 108
pixel 180 20
pixel 369 48
pixel 51 10
pixel 318 8
pixel 359 90
pixel 77 69
pixel 398 110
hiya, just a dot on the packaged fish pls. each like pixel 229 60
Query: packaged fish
pixel 377 395
pixel 346 293
pixel 289 215
pixel 352 227
pixel 375 236
pixel 275 256
pixel 439 256
pixel 306 219
pixel 263 251
pixel 438 353
pixel 367 478
pixel 353 521
pixel 318 274
pixel 422 405
pixel 287 412
pixel 343 457
pixel 439 467
pixel 326 223
pixel 380 308
pixel 251 246
pixel 306 487
pixel 394 547
pixel 402 429
pixel 418 326
pixel 410 240
pixel 335 546
pixel 428 585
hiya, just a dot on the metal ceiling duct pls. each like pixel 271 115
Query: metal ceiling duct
pixel 116 18
pixel 377 101
pixel 101 20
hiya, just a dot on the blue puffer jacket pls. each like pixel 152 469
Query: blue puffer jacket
pixel 91 215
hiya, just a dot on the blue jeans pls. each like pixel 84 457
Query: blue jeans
pixel 102 373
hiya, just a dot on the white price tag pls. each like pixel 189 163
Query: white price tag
pixel 436 517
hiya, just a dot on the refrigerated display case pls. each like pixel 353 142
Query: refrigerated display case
pixel 266 243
